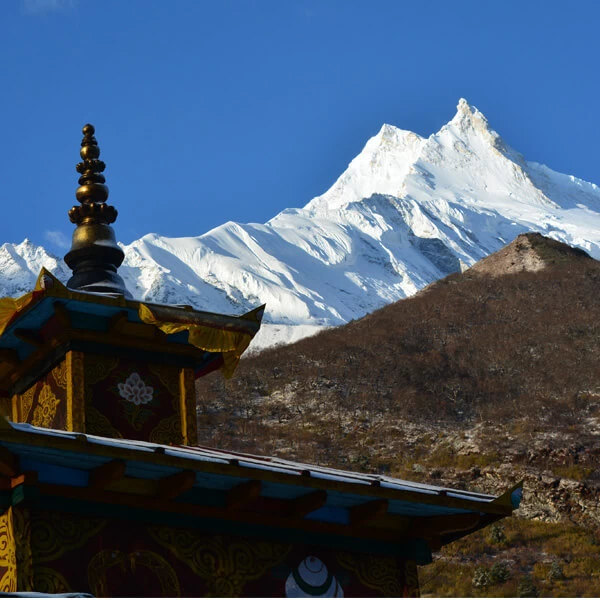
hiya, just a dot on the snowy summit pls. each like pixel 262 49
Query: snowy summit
pixel 406 211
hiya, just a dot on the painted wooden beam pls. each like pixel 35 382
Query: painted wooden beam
pixel 101 477
pixel 30 337
pixel 431 527
pixel 242 495
pixel 361 514
pixel 116 322
pixel 174 485
pixel 135 501
pixel 9 463
pixel 9 355
pixel 62 314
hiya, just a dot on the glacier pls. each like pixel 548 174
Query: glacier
pixel 407 211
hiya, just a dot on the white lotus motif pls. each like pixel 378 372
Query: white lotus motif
pixel 134 390
pixel 312 580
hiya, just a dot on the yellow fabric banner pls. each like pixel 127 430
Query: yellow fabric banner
pixel 231 344
pixel 9 307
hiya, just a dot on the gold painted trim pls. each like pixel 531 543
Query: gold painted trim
pixel 187 407
pixel 75 391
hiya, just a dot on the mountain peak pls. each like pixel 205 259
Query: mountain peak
pixel 528 252
pixel 464 106
pixel 394 136
pixel 468 117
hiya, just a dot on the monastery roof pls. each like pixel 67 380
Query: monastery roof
pixel 264 490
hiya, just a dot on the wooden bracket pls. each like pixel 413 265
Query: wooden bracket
pixel 30 336
pixel 242 495
pixel 301 506
pixel 174 485
pixel 62 314
pixel 10 356
pixel 361 514
pixel 101 477
pixel 9 463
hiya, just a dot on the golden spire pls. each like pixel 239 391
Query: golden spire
pixel 92 193
pixel 95 255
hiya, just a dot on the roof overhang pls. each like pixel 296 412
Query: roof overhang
pixel 225 491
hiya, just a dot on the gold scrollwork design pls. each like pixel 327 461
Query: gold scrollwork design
pixel 8 559
pixel 411 574
pixel 226 565
pixel 98 576
pixel 22 533
pixel 25 402
pixel 168 431
pixel 45 411
pixel 98 368
pixel 169 377
pixel 60 375
pixel 53 534
pixel 376 572
pixel 49 581
pixel 75 391
pixel 98 424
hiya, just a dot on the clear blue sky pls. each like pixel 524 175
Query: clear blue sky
pixel 210 111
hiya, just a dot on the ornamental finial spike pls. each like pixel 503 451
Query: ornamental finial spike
pixel 94 256
pixel 92 191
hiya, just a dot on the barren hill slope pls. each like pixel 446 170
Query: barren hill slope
pixel 528 252
pixel 480 380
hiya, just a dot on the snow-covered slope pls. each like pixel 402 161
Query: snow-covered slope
pixel 406 212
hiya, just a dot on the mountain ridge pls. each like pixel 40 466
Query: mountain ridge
pixel 407 211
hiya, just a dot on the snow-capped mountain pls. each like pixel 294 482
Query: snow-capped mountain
pixel 406 211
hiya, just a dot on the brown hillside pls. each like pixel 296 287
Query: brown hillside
pixel 484 378
pixel 528 252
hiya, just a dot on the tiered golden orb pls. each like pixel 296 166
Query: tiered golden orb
pixel 94 256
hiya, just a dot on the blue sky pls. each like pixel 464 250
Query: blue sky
pixel 223 110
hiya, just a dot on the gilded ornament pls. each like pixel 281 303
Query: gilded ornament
pixel 60 375
pixel 24 404
pixel 50 581
pixel 98 368
pixel 8 559
pixel 75 391
pixel 22 534
pixel 54 533
pixel 411 575
pixel 94 256
pixel 45 411
pixel 169 377
pixel 98 424
pixel 168 431
pixel 226 565
pixel 100 565
pixel 376 572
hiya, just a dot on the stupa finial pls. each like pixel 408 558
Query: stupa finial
pixel 94 256
pixel 92 191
